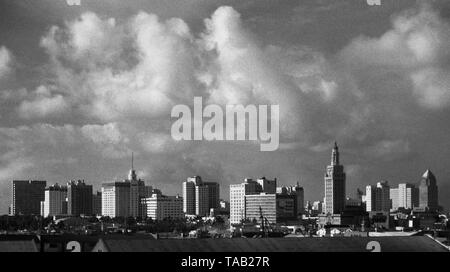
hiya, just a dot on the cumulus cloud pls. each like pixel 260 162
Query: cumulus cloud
pixel 416 48
pixel 43 105
pixel 137 69
pixel 5 61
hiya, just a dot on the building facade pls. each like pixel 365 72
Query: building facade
pixel 97 204
pixel 335 184
pixel 199 197
pixel 116 199
pixel 137 192
pixel 268 186
pixel 383 201
pixel 160 207
pixel 261 204
pixel 189 202
pixel 213 194
pixel 428 192
pixel 26 197
pixel 408 196
pixel 55 200
pixel 79 198
pixel 237 198
pixel 286 207
pixel 298 194
pixel 378 198
pixel 394 197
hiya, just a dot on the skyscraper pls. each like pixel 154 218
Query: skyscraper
pixel 408 196
pixel 335 184
pixel 79 198
pixel 383 201
pixel 371 192
pixel 378 198
pixel 189 202
pixel 213 194
pixel 55 200
pixel 116 199
pixel 394 196
pixel 201 200
pixel 199 197
pixel 428 192
pixel 27 196
pixel 237 198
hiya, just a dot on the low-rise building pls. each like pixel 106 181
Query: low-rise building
pixel 160 207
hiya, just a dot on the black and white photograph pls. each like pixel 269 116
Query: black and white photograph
pixel 219 132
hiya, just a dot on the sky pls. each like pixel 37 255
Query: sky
pixel 82 87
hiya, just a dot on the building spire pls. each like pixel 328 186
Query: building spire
pixel 335 155
pixel 132 175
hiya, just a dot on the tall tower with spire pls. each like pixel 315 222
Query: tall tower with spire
pixel 335 184
pixel 137 191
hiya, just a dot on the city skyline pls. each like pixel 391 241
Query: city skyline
pixel 198 196
pixel 82 87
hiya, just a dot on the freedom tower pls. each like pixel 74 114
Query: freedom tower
pixel 334 184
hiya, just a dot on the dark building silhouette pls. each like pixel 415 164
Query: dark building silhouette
pixel 97 203
pixel 428 192
pixel 27 196
pixel 79 198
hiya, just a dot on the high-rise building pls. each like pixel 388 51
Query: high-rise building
pixel 237 198
pixel 199 197
pixel 394 196
pixel 79 198
pixel 116 199
pixel 137 191
pixel 97 204
pixel 428 192
pixel 286 207
pixel 378 197
pixel 370 198
pixel 261 204
pixel 298 194
pixel 408 196
pixel 26 197
pixel 383 202
pixel 55 200
pixel 201 200
pixel 335 184
pixel 160 207
pixel 189 202
pixel 213 194
pixel 268 186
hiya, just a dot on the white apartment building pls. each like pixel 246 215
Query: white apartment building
pixel 116 199
pixel 237 198
pixel 55 202
pixel 160 207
